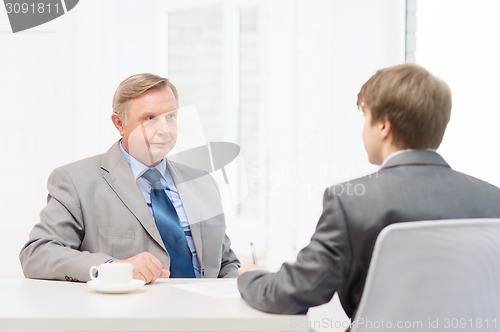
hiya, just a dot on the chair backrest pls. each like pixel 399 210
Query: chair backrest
pixel 439 275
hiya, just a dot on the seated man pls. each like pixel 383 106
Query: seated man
pixel 131 204
pixel 406 111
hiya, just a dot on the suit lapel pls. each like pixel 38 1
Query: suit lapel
pixel 118 175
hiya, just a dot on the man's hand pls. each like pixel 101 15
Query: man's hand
pixel 246 267
pixel 146 267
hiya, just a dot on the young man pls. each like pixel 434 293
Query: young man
pixel 406 111
pixel 131 204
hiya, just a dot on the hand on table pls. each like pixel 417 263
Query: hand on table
pixel 246 267
pixel 146 267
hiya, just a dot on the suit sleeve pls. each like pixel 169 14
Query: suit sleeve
pixel 52 251
pixel 320 269
pixel 230 263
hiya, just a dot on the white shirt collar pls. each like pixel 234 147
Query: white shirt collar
pixel 394 154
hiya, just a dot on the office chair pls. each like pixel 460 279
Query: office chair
pixel 433 276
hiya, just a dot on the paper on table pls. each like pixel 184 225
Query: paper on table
pixel 216 289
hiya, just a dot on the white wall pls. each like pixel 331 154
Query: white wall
pixel 331 48
pixel 57 81
pixel 465 52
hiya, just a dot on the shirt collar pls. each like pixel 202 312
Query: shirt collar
pixel 139 168
pixel 394 154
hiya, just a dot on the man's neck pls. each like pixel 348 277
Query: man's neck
pixel 388 150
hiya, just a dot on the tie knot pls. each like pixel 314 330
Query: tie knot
pixel 153 177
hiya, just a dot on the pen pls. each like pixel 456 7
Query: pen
pixel 254 257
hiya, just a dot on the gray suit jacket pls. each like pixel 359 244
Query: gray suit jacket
pixel 412 186
pixel 95 211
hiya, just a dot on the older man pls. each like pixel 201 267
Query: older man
pixel 130 204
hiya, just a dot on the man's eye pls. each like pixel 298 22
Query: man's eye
pixel 150 118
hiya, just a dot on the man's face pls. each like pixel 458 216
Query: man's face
pixel 150 131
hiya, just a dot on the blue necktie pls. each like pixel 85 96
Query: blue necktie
pixel 171 232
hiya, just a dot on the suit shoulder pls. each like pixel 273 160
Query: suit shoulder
pixel 478 182
pixel 354 182
pixel 81 164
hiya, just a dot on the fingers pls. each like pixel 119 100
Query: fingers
pixel 246 267
pixel 165 273
pixel 145 267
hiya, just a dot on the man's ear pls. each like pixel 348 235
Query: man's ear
pixel 117 122
pixel 385 129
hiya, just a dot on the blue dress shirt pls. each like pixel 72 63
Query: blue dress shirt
pixel 138 170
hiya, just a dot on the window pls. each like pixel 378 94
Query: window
pixel 213 58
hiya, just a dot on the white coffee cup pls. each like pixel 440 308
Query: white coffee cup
pixel 112 273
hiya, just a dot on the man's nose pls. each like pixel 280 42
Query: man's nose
pixel 162 125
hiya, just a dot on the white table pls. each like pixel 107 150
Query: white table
pixel 166 305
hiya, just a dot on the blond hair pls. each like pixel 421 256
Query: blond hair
pixel 133 87
pixel 416 103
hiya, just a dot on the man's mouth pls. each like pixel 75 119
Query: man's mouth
pixel 158 143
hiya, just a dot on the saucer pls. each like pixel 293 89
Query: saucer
pixel 115 288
